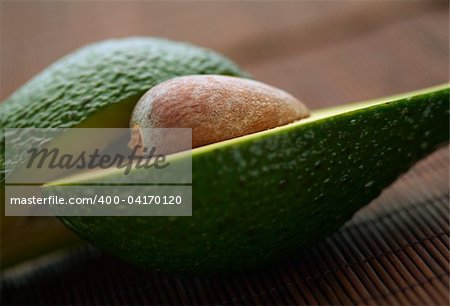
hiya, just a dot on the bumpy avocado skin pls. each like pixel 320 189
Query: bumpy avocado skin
pixel 85 82
pixel 82 83
pixel 259 200
pixel 76 91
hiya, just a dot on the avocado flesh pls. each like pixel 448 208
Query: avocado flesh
pixel 259 198
pixel 94 87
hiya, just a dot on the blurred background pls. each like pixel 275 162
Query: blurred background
pixel 325 53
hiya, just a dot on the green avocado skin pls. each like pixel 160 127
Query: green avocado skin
pixel 79 91
pixel 87 81
pixel 259 200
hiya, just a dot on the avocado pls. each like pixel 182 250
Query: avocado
pixel 96 86
pixel 259 198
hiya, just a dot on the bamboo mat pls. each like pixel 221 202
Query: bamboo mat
pixel 393 252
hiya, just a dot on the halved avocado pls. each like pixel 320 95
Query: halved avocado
pixel 261 197
pixel 96 86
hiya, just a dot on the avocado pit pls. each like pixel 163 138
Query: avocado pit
pixel 215 107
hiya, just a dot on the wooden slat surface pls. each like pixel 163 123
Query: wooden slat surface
pixel 393 252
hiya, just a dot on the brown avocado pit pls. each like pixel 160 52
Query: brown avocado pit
pixel 215 107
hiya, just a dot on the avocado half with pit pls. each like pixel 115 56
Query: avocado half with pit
pixel 261 197
pixel 96 86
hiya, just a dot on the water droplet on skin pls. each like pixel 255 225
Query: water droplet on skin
pixel 309 134
pixel 271 145
pixel 318 197
pixel 282 183
pixel 368 184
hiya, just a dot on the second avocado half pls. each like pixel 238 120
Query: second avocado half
pixel 259 198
